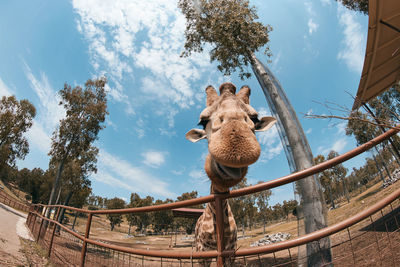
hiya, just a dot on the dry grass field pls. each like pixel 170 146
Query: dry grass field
pixel 100 228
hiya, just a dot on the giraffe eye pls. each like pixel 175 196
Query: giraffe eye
pixel 203 122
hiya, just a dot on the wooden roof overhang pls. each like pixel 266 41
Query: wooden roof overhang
pixel 382 57
pixel 187 212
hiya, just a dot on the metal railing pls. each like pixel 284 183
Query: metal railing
pixel 12 202
pixel 353 235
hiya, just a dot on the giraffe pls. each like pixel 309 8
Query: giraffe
pixel 229 125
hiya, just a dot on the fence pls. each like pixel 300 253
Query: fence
pixel 371 237
pixel 12 202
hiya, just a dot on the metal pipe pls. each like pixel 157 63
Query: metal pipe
pixel 52 234
pixel 219 229
pixel 83 253
pixel 40 228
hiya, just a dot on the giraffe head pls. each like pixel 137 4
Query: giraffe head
pixel 229 124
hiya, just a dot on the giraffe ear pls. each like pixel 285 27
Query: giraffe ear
pixel 212 95
pixel 244 94
pixel 195 135
pixel 264 124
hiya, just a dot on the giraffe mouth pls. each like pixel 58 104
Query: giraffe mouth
pixel 228 173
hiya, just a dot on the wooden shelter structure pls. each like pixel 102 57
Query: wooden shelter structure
pixel 382 57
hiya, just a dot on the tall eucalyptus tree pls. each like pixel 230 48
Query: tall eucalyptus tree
pixel 230 28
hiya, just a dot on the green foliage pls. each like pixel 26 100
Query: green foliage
pixel 188 224
pixel 162 220
pixel 289 206
pixel 243 207
pixel 15 119
pixel 230 28
pixel 72 146
pixel 143 219
pixel 85 112
pixel 356 5
pixel 262 202
pixel 115 219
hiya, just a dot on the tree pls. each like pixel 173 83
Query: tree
pixel 187 223
pixel 363 131
pixel 288 207
pixel 162 220
pixel 338 173
pixel 243 207
pixel 210 21
pixel 262 203
pixel 229 26
pixel 325 180
pixel 15 119
pixel 356 5
pixel 30 182
pixel 115 219
pixel 143 219
pixel 72 142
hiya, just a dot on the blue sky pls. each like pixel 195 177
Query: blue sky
pixel 155 96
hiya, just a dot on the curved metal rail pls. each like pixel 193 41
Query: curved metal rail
pixel 217 197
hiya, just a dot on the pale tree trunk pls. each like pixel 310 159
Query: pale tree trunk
pixel 311 205
pixel 67 199
pixel 331 196
pixel 263 226
pixel 55 185
pixel 73 224
pixel 346 193
pixel 378 167
pixel 384 165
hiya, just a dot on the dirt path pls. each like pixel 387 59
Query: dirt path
pixel 12 227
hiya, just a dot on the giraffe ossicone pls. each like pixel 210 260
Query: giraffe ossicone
pixel 229 125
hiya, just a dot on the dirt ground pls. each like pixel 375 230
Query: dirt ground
pixel 17 247
pixel 30 254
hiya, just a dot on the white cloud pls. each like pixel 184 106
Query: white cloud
pixel 269 140
pixel 4 90
pixel 197 174
pixel 337 146
pixel 48 111
pixel 312 26
pixel 341 141
pixel 119 173
pixel 326 2
pixel 275 61
pixel 341 127
pixel 309 8
pixel 112 29
pixel 352 52
pixel 154 158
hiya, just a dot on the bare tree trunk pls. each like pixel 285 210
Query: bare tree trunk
pixel 384 165
pixel 378 167
pixel 55 185
pixel 263 226
pixel 73 224
pixel 331 196
pixel 346 193
pixel 67 199
pixel 311 199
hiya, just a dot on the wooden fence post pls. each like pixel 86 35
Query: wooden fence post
pixel 220 230
pixel 83 253
pixel 41 224
pixel 54 231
